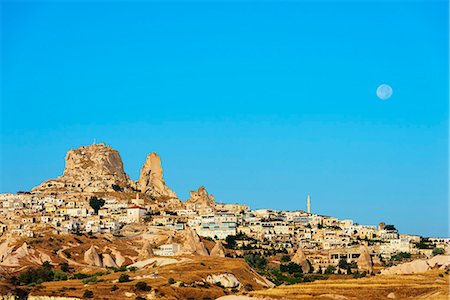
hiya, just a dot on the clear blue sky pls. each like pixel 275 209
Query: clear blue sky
pixel 261 102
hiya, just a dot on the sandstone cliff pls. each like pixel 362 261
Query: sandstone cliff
pixel 94 168
pixel 151 179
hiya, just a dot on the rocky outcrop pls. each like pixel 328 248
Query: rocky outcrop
pixel 92 258
pixel 146 251
pixel 25 254
pixel 94 168
pixel 108 261
pixel 218 250
pixel 439 261
pixel 99 168
pixel 201 199
pixel 192 243
pixel 151 179
pixel 300 259
pixel 419 266
pixel 225 280
pixel 364 260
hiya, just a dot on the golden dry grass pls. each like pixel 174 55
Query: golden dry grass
pixel 420 286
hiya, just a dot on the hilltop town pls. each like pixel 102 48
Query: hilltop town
pixel 95 217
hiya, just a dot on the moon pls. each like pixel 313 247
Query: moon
pixel 384 91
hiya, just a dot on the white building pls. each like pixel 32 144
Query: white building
pixel 135 214
pixel 171 249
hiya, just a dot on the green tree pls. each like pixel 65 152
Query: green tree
pixel 255 261
pixel 96 203
pixel 285 258
pixel 343 264
pixel 437 251
pixel 291 268
pixel 330 269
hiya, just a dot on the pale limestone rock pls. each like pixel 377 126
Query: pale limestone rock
pixel 392 295
pixel 218 250
pixel 151 179
pixel 364 260
pixel 192 243
pixel 413 267
pixel 108 261
pixel 300 259
pixel 226 280
pixel 118 258
pixel 92 258
pixel 201 198
pixel 88 169
pixel 129 294
pixel 23 253
pixel 439 261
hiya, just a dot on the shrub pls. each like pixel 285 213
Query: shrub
pixel 120 269
pixel 117 188
pixel 285 258
pixel 114 288
pixel 124 278
pixel 248 287
pixel 60 275
pixel 142 286
pixel 80 276
pixel 437 251
pixel 88 294
pixel 132 269
pixel 64 267
pixel 171 281
pixel 90 279
pixel 37 276
pixel 401 256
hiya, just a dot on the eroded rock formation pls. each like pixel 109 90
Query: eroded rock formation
pixel 192 243
pixel 364 260
pixel 218 250
pixel 99 168
pixel 94 168
pixel 300 259
pixel 151 179
pixel 146 251
pixel 92 258
pixel 201 198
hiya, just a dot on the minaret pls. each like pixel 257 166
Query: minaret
pixel 308 204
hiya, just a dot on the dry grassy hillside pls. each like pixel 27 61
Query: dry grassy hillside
pixel 424 286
